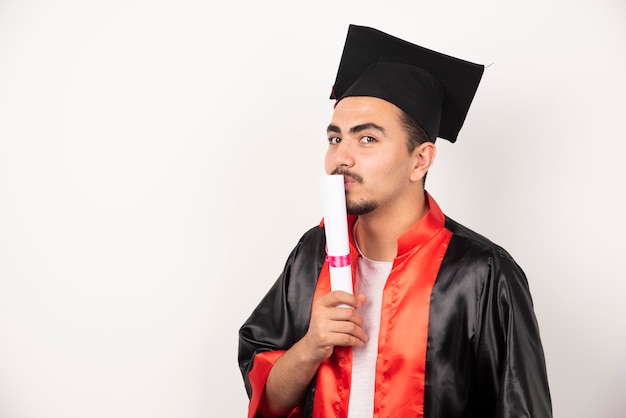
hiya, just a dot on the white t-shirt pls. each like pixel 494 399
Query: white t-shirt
pixel 371 277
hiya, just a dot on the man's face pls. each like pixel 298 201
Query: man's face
pixel 368 145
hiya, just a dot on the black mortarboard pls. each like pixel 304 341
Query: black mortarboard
pixel 433 88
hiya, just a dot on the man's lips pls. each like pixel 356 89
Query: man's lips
pixel 348 181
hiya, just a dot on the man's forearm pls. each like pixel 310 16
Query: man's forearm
pixel 288 380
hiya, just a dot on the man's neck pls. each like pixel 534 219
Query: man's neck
pixel 377 232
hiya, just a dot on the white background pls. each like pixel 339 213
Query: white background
pixel 159 159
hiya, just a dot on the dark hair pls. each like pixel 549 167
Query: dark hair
pixel 415 133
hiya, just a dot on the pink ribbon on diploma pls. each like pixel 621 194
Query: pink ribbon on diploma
pixel 338 260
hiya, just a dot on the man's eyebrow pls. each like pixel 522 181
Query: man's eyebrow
pixel 356 128
pixel 333 128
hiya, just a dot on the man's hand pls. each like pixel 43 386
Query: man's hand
pixel 331 325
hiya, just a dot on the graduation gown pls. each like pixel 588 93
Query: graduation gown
pixel 458 335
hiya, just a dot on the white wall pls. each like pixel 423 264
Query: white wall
pixel 159 159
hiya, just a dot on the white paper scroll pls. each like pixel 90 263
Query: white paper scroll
pixel 336 226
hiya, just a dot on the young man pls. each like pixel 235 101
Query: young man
pixel 442 322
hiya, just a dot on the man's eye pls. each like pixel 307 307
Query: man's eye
pixel 368 139
pixel 334 140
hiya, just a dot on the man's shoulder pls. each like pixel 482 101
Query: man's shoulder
pixel 472 242
pixel 469 251
pixel 313 236
pixel 311 245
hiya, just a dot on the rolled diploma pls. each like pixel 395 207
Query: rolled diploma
pixel 336 229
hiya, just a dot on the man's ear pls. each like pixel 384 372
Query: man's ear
pixel 424 158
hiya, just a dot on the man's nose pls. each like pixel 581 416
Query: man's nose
pixel 344 155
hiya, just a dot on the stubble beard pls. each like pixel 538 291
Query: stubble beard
pixel 356 208
pixel 360 208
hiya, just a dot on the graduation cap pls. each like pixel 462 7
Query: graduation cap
pixel 433 88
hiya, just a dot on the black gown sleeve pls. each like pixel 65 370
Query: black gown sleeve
pixel 282 317
pixel 511 372
pixel 485 358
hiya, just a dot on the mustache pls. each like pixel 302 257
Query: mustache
pixel 347 173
